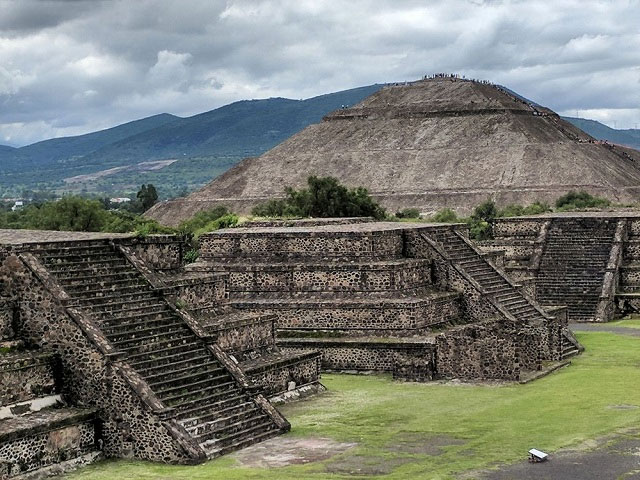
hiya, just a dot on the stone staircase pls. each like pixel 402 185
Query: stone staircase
pixel 569 348
pixel 574 263
pixel 159 345
pixel 469 259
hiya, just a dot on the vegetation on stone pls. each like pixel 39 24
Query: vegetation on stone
pixel 580 200
pixel 408 213
pixel 324 197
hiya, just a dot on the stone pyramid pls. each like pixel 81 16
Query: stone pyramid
pixel 434 143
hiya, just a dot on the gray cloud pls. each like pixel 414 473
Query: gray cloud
pixel 68 67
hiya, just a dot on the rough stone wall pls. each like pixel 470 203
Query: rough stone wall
pixel 26 376
pixel 261 278
pixel 246 337
pixel 159 252
pixel 31 452
pixel 130 428
pixel 384 317
pixel 380 357
pixel 377 244
pixel 519 250
pixel 277 379
pixel 517 227
pixel 479 351
pixel 7 307
pixel 199 292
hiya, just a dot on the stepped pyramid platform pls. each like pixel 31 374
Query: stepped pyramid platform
pixel 178 364
pixel 163 387
pixel 588 261
pixel 479 139
pixel 417 300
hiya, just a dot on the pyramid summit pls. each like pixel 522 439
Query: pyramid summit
pixel 438 142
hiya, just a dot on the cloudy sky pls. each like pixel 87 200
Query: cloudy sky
pixel 70 67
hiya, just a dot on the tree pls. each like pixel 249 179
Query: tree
pixel 480 220
pixel 324 197
pixel 148 196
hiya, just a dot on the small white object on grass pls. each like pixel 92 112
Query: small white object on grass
pixel 536 455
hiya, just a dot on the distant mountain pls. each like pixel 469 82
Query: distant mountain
pixel 629 137
pixel 232 132
pixel 205 145
pixel 6 149
pixel 244 128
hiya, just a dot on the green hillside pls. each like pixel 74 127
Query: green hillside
pixel 629 137
pixel 205 145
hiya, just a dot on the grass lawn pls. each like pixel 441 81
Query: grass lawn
pixel 632 321
pixel 483 425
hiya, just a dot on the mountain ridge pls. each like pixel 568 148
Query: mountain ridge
pixel 205 144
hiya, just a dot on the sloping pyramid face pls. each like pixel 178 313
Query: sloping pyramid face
pixel 431 144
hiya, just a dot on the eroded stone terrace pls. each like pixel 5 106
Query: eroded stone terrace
pixel 179 364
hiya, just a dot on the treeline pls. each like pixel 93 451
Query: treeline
pixel 480 219
pixel 323 197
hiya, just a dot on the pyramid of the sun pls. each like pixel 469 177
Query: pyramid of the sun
pixel 434 143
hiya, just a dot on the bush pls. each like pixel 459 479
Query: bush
pixel 579 200
pixel 272 208
pixel 191 255
pixel 518 210
pixel 446 215
pixel 201 219
pixel 408 213
pixel 480 220
pixel 225 221
pixel 323 197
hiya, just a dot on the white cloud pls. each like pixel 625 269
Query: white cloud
pixel 69 66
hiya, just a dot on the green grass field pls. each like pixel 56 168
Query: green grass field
pixel 483 425
pixel 631 322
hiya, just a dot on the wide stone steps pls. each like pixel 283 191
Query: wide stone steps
pixel 223 435
pixel 108 285
pixel 202 396
pixel 147 341
pixel 194 414
pixel 184 376
pixel 211 422
pixel 472 262
pixel 240 439
pixel 162 350
pixel 148 327
pixel 160 371
pixel 107 291
pixel 71 280
pixel 160 346
pixel 172 391
pixel 122 307
pixel 573 266
pixel 82 267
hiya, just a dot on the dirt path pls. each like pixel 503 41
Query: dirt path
pixel 616 458
pixel 603 327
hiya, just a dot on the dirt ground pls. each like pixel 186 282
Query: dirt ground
pixel 615 458
pixel 288 450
